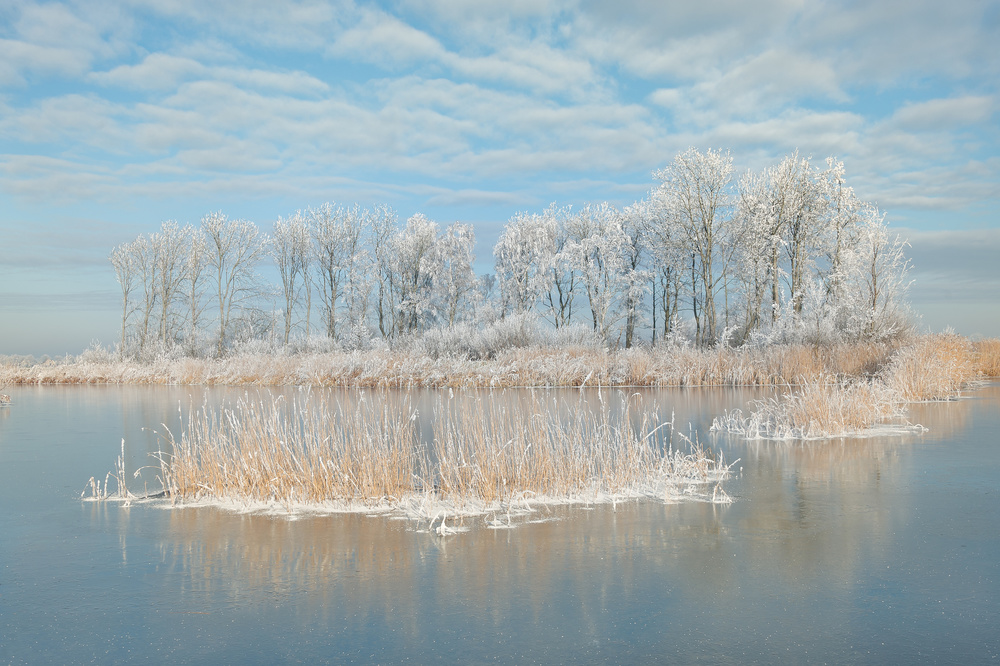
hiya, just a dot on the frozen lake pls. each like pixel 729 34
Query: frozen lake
pixel 878 550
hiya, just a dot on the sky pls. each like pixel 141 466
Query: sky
pixel 118 115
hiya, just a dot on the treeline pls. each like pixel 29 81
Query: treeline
pixel 789 253
pixel 349 273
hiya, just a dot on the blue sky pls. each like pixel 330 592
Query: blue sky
pixel 116 116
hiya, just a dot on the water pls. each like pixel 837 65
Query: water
pixel 881 550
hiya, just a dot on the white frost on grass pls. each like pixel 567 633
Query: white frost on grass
pixel 485 458
pixel 437 516
pixel 822 411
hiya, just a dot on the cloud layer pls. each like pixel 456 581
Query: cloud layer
pixel 138 111
pixel 140 99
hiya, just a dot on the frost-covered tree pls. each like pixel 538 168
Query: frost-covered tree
pixel 146 266
pixel 235 247
pixel 843 218
pixel 666 248
pixel 338 238
pixel 518 262
pixel 123 261
pixel 558 278
pixel 694 195
pixel 291 250
pixel 635 279
pixel 758 253
pixel 169 247
pixel 383 231
pixel 596 250
pixel 876 272
pixel 796 223
pixel 451 269
pixel 412 260
pixel 195 279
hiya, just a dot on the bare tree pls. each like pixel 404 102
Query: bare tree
pixel 169 248
pixel 336 234
pixel 195 277
pixel 124 262
pixel 235 247
pixel 290 247
pixel 694 191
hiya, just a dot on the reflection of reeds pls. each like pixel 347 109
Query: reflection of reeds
pixel 305 454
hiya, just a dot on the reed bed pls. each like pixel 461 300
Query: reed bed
pixel 816 411
pixel 486 452
pixel 931 367
pixel 987 357
pixel 483 456
pixel 658 366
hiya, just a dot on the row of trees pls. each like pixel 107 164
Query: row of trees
pixel 201 289
pixel 786 252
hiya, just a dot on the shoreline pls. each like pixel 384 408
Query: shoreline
pixel 529 367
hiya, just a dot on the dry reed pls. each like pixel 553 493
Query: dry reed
pixel 930 367
pixel 933 367
pixel 659 366
pixel 482 457
pixel 987 357
pixel 816 411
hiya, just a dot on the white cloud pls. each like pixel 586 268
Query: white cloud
pixel 158 71
pixel 471 93
pixel 55 25
pixel 22 58
pixel 946 113
pixel 955 264
pixel 887 42
pixel 303 25
pixel 165 72
pixel 476 198
pixel 385 40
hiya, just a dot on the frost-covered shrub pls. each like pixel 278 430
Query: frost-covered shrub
pixel 468 341
pixel 680 336
pixel 97 354
pixel 254 347
pixel 485 342
pixel 311 344
pixel 574 335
